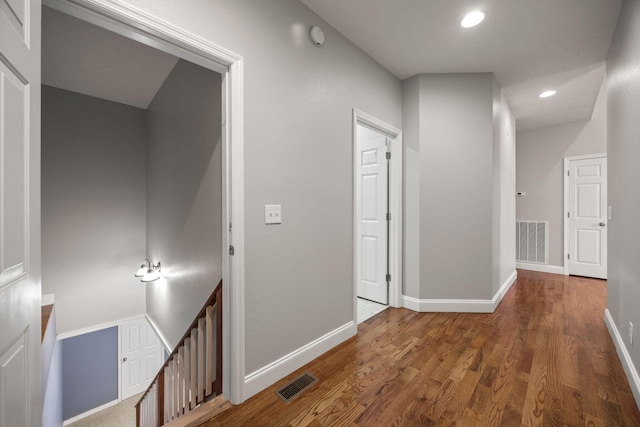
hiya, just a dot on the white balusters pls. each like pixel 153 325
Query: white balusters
pixel 188 377
pixel 209 350
pixel 201 359
pixel 194 367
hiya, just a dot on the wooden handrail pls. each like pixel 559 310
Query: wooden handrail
pixel 214 300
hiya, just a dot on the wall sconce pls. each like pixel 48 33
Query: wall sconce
pixel 148 271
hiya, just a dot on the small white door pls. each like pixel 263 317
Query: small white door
pixel 371 214
pixel 20 346
pixel 141 357
pixel 588 217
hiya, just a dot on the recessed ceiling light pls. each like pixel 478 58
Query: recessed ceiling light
pixel 472 19
pixel 547 93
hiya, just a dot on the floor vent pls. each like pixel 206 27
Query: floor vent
pixel 295 387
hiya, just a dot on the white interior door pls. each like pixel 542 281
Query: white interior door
pixel 371 214
pixel 141 357
pixel 20 364
pixel 588 217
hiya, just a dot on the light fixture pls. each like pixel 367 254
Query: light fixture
pixel 547 93
pixel 146 265
pixel 472 19
pixel 148 271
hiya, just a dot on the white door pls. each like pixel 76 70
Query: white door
pixel 588 217
pixel 371 214
pixel 20 376
pixel 141 357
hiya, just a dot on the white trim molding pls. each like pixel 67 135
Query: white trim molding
pixel 264 377
pixel 460 305
pixel 624 356
pixel 131 22
pixel 99 327
pixel 155 328
pixel 553 269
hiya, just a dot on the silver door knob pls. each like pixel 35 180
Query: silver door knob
pixel 602 224
pixel 124 359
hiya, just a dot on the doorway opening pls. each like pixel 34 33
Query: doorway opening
pixel 377 215
pixel 137 25
pixel 586 216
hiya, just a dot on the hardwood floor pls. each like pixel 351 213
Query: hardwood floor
pixel 544 358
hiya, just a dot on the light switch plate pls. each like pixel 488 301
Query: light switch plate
pixel 273 214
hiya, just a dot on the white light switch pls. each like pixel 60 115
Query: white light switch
pixel 273 214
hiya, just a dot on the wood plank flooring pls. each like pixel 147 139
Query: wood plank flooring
pixel 544 358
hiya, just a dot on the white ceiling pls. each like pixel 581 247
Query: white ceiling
pixel 530 45
pixel 84 58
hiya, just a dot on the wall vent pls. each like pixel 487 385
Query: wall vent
pixel 532 243
pixel 295 387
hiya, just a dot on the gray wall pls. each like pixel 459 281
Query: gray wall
pixel 93 207
pixel 459 186
pixel 184 184
pixel 455 170
pixel 298 153
pixel 504 188
pixel 540 169
pixel 456 185
pixel 411 197
pixel 623 97
pixel 89 371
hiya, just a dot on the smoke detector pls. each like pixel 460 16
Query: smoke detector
pixel 317 36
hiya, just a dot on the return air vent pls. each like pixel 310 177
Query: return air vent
pixel 532 242
pixel 296 387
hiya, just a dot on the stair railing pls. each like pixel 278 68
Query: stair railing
pixel 191 374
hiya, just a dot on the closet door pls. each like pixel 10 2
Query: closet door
pixel 20 370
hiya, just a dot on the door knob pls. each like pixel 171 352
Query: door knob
pixel 124 359
pixel 602 224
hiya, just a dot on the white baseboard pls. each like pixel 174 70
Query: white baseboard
pixel 624 356
pixel 460 305
pixel 258 380
pixel 90 412
pixel 553 269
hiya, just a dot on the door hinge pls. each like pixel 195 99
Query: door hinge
pixel 388 216
pixel 568 215
pixel 388 155
pixel 568 256
pixel 388 277
pixel 232 250
pixel 568 173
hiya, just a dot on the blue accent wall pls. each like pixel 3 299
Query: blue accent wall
pixel 89 371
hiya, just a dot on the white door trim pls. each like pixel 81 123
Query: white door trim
pixel 142 27
pixel 395 202
pixel 567 162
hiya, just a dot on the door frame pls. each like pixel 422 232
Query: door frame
pixel 567 202
pixel 395 203
pixel 138 25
